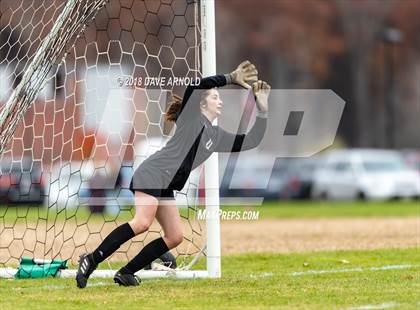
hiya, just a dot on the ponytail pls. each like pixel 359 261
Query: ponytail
pixel 173 108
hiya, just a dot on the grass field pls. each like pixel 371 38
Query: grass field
pixel 270 210
pixel 324 209
pixel 387 278
pixel 260 281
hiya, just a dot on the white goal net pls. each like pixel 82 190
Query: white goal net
pixel 80 108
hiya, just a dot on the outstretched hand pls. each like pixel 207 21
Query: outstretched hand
pixel 261 92
pixel 245 74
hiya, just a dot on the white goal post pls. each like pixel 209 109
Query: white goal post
pixel 39 73
pixel 208 39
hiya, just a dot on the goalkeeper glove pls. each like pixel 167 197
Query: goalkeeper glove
pixel 261 91
pixel 244 75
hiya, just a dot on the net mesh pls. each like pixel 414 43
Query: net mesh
pixel 66 29
pixel 90 115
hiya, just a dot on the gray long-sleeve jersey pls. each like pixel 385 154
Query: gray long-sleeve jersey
pixel 195 139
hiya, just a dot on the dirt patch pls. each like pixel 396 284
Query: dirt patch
pixel 297 235
pixel 70 238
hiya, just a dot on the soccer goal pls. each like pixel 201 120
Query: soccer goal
pixel 83 92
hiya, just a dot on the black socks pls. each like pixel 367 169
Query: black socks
pixel 147 255
pixel 122 234
pixel 112 242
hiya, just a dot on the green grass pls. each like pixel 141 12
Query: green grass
pixel 270 210
pixel 324 209
pixel 260 281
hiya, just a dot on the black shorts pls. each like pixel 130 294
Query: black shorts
pixel 148 182
pixel 155 192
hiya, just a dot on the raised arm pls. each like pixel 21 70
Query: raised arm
pixel 229 142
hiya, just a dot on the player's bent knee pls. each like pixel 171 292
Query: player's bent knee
pixel 139 226
pixel 178 239
pixel 174 240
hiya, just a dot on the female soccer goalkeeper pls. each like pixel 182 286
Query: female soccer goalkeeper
pixel 195 139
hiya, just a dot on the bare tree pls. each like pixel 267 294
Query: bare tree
pixel 363 21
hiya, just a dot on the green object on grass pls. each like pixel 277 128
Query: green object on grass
pixel 32 268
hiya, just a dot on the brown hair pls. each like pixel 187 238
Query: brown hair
pixel 173 108
pixel 176 103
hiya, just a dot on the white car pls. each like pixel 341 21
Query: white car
pixel 365 174
pixel 67 183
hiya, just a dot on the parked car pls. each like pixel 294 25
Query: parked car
pixel 68 184
pixel 298 176
pixel 21 181
pixel 412 158
pixel 365 174
pixel 80 183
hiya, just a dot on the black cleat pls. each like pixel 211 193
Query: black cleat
pixel 86 267
pixel 126 279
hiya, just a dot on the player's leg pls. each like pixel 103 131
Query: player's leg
pixel 146 206
pixel 168 216
pixel 170 220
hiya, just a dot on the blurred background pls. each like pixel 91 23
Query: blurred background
pixel 367 52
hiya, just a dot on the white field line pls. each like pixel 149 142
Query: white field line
pixel 293 274
pixel 388 267
pixel 387 305
pixel 261 275
pixel 308 272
